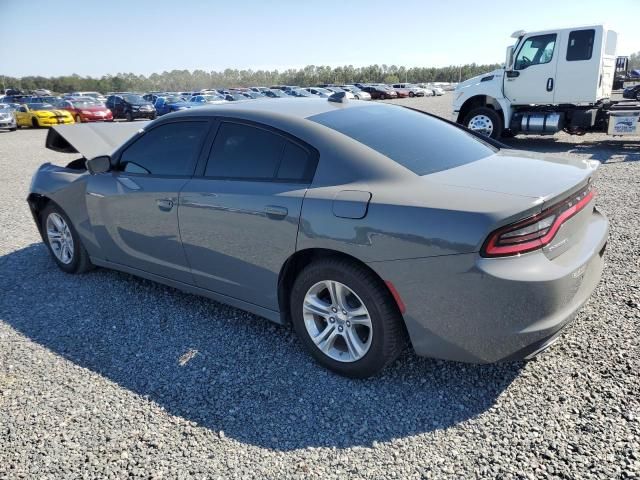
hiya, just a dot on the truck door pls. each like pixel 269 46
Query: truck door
pixel 533 77
pixel 578 68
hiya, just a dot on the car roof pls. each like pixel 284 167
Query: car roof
pixel 290 107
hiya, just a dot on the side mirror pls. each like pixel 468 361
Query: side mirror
pixel 100 164
pixel 508 64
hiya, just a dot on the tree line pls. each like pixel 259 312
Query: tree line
pixel 181 80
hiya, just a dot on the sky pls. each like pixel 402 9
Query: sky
pixel 93 38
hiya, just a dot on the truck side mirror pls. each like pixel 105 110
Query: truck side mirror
pixel 508 64
pixel 100 164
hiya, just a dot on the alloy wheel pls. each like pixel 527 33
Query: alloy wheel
pixel 60 238
pixel 337 321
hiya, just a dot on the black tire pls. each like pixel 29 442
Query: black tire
pixel 638 95
pixel 154 116
pixel 13 129
pixel 388 335
pixel 80 262
pixel 78 119
pixel 411 94
pixel 129 117
pixel 35 123
pixel 490 113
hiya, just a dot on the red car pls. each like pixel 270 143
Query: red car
pixel 86 109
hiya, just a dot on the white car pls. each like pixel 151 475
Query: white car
pixel 348 94
pixel 357 93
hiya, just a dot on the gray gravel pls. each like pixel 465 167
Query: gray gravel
pixel 105 375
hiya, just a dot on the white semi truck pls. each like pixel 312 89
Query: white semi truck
pixel 553 80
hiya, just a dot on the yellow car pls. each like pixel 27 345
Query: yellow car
pixel 41 115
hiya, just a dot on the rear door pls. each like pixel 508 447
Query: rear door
pixel 578 66
pixel 239 216
pixel 134 208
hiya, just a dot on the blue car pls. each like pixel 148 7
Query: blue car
pixel 171 104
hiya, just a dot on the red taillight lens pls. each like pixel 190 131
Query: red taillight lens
pixel 537 231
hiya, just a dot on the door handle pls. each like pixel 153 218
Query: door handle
pixel 549 84
pixel 275 211
pixel 165 204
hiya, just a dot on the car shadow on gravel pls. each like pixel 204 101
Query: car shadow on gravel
pixel 227 370
pixel 602 150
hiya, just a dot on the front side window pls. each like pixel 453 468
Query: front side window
pixel 170 149
pixel 580 45
pixel 536 51
pixel 245 152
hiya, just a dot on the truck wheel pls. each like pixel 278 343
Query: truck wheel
pixel 485 121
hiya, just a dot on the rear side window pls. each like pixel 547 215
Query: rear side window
pixel 247 152
pixel 170 149
pixel 580 45
pixel 417 141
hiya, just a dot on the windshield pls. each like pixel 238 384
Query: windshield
pixel 279 93
pixel 174 99
pixel 134 99
pixel 352 89
pixel 84 103
pixel 212 98
pixel 417 141
pixel 40 106
pixel 299 92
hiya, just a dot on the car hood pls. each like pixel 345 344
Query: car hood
pixel 521 174
pixel 90 140
pixel 95 108
pixel 493 76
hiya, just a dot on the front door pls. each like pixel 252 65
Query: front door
pixel 533 77
pixel 239 219
pixel 134 208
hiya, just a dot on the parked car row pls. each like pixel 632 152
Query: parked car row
pixel 42 109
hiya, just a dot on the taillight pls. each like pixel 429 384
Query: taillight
pixel 537 231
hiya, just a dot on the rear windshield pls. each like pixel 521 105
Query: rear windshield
pixel 417 141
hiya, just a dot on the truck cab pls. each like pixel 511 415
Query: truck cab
pixel 552 80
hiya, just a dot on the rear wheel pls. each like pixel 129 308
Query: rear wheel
pixel 485 121
pixel 35 123
pixel 411 94
pixel 346 318
pixel 78 119
pixel 129 117
pixel 63 241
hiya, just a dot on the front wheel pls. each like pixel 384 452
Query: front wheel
pixel 129 117
pixel 35 123
pixel 346 318
pixel 411 94
pixel 485 121
pixel 63 241
pixel 78 119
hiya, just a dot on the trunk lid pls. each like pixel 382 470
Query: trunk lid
pixel 521 174
pixel 549 180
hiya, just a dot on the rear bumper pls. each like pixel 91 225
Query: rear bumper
pixel 482 310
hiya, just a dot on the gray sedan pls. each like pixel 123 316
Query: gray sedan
pixel 364 225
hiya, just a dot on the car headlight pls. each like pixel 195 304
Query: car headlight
pixel 135 107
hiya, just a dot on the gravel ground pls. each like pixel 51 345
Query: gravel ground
pixel 106 376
